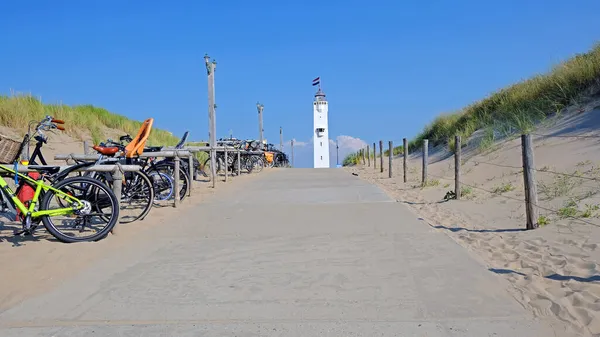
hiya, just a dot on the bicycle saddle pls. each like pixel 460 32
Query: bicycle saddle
pixel 106 150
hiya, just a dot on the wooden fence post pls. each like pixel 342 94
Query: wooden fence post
pixel 177 181
pixel 531 199
pixel 457 150
pixel 425 161
pixel 374 157
pixel 363 156
pixel 191 172
pixel 391 155
pixel 368 157
pixel 226 164
pixel 404 164
pixel 381 155
pixel 117 177
pixel 86 147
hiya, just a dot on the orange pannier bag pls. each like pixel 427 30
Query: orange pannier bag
pixel 269 156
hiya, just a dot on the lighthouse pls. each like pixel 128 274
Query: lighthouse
pixel 321 130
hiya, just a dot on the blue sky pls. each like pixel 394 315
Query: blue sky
pixel 388 67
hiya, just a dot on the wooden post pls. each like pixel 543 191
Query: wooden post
pixel 531 199
pixel 381 155
pixel 292 143
pixel 86 147
pixel 374 157
pixel 425 161
pixel 177 182
pixel 239 162
pixel 457 150
pixel 190 172
pixel 226 164
pixel 391 155
pixel 117 177
pixel 212 124
pixel 363 156
pixel 368 156
pixel 405 160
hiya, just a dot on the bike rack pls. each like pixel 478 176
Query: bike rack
pixel 117 175
pixel 175 154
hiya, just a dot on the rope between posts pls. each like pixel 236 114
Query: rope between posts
pixel 521 200
pixel 540 170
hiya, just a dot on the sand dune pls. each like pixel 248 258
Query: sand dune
pixel 554 270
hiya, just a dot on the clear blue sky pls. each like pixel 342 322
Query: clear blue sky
pixel 388 67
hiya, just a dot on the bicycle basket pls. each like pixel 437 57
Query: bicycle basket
pixel 9 149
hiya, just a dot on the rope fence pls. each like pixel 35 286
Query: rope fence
pixel 528 170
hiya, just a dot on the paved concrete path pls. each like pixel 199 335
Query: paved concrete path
pixel 293 253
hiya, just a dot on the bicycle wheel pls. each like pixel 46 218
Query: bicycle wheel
pixel 257 164
pixel 163 185
pixel 137 195
pixel 93 222
pixel 169 169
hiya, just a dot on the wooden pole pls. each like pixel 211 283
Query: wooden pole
pixel 117 177
pixel 381 155
pixel 404 163
pixel 239 164
pixel 212 125
pixel 86 147
pixel 363 156
pixel 226 164
pixel 425 161
pixel 368 156
pixel 292 143
pixel 374 157
pixel 190 173
pixel 457 150
pixel 177 186
pixel 531 199
pixel 391 155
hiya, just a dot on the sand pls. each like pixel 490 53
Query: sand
pixel 31 265
pixel 554 270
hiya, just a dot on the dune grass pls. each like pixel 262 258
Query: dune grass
pixel 17 110
pixel 519 107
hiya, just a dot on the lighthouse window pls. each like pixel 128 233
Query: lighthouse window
pixel 321 143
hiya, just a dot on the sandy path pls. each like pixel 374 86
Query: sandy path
pixel 554 270
pixel 34 265
pixel 297 252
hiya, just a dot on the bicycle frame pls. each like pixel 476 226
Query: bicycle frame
pixel 38 190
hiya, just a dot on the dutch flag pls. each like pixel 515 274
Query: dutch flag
pixel 316 81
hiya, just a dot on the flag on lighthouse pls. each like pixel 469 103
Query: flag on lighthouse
pixel 316 81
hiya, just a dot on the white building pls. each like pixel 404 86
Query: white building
pixel 321 131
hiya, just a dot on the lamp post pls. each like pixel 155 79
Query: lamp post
pixel 212 125
pixel 337 154
pixel 260 108
pixel 280 139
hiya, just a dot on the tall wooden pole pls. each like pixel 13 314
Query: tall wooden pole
pixel 381 155
pixel 425 161
pixel 374 156
pixel 405 146
pixel 280 139
pixel 391 155
pixel 292 143
pixel 260 108
pixel 212 125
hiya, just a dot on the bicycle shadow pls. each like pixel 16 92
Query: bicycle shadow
pixel 8 228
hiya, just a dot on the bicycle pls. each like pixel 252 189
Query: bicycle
pixel 78 199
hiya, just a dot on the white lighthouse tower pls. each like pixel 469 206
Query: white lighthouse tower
pixel 321 131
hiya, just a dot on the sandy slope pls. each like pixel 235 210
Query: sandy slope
pixel 555 269
pixel 32 265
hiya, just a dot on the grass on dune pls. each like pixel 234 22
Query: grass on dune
pixel 16 111
pixel 519 107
